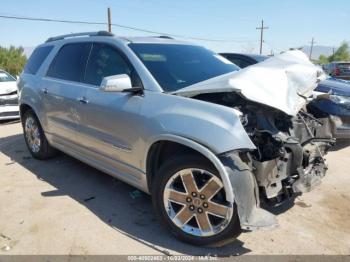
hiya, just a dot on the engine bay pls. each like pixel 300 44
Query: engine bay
pixel 289 156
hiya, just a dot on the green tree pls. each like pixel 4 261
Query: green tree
pixel 342 53
pixel 12 59
pixel 323 59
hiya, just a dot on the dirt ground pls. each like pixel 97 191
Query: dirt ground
pixel 62 206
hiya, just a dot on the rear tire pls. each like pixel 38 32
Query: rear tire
pixel 164 206
pixel 35 138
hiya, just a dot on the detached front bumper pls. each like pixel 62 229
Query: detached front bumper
pixel 342 126
pixel 246 195
pixel 340 115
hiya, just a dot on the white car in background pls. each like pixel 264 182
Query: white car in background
pixel 8 97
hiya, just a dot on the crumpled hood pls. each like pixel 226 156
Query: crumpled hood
pixel 282 82
pixel 7 87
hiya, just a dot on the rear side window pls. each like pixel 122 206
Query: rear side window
pixel 345 66
pixel 105 61
pixel 36 59
pixel 70 62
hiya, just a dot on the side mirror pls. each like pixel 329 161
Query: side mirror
pixel 116 83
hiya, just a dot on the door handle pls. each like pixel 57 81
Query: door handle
pixel 83 100
pixel 45 91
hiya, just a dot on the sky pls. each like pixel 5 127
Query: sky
pixel 292 23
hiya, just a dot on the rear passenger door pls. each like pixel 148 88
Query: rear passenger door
pixel 63 93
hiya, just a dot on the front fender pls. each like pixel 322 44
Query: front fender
pixel 215 126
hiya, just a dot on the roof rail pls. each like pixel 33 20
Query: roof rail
pixel 165 36
pixel 60 37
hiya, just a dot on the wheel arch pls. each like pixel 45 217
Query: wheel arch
pixel 176 144
pixel 24 107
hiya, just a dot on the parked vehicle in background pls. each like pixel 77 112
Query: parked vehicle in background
pixel 8 97
pixel 244 60
pixel 337 103
pixel 175 120
pixel 339 70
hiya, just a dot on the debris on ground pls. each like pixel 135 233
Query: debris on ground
pixel 6 247
pixel 89 198
pixel 135 194
pixel 5 237
pixel 302 204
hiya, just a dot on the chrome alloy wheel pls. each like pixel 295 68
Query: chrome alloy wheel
pixel 194 200
pixel 32 133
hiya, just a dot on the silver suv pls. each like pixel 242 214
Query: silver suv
pixel 212 145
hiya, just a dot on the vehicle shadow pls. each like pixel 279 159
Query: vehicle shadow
pixel 9 122
pixel 340 144
pixel 117 204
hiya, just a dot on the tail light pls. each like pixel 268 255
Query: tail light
pixel 337 71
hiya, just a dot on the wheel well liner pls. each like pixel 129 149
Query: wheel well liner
pixel 23 108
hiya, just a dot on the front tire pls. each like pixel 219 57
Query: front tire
pixel 189 197
pixel 35 138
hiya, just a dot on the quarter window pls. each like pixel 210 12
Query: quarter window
pixel 70 62
pixel 36 59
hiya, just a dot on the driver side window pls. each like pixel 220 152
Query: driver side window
pixel 104 60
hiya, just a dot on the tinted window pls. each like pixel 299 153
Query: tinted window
pixel 36 59
pixel 241 62
pixel 259 58
pixel 177 66
pixel 105 61
pixel 70 62
pixel 344 66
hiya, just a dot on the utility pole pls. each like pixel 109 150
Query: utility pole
pixel 312 46
pixel 262 28
pixel 109 20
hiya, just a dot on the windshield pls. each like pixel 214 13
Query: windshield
pixel 176 66
pixel 5 77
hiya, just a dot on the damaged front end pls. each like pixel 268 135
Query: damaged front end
pixel 289 158
pixel 271 100
pixel 289 155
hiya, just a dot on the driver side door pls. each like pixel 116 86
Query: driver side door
pixel 108 126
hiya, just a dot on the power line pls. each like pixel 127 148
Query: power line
pixel 118 25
